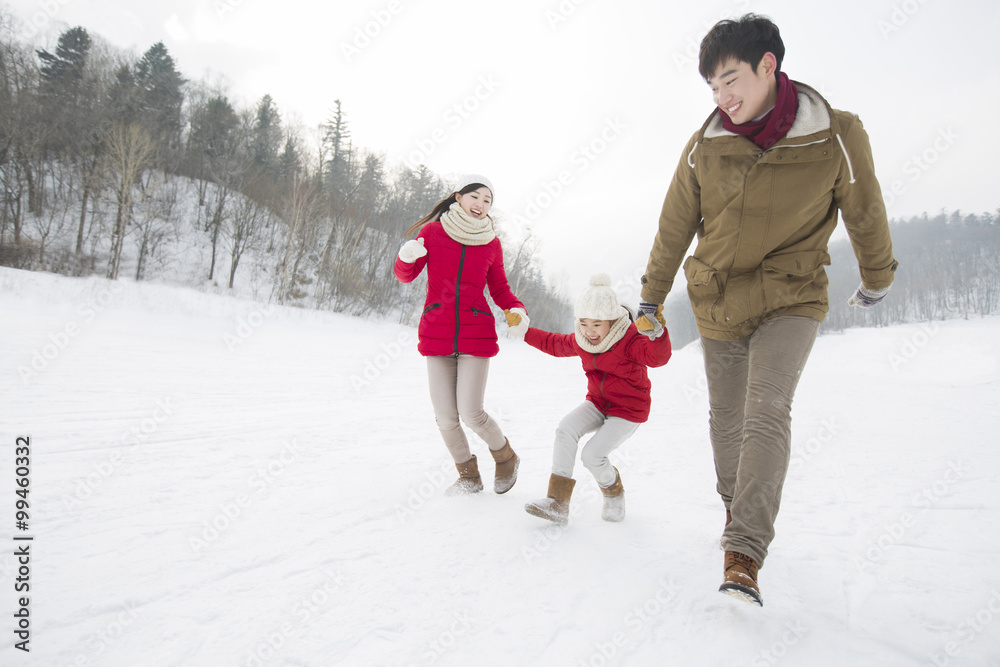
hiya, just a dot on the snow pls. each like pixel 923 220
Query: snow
pixel 220 482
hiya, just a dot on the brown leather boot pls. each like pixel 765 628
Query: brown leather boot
pixel 507 463
pixel 740 578
pixel 468 481
pixel 614 500
pixel 555 507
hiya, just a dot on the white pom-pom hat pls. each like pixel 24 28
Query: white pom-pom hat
pixel 599 301
pixel 469 179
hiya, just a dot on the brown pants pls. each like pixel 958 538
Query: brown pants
pixel 751 383
pixel 458 387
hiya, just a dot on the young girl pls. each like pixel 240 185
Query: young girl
pixel 457 332
pixel 614 356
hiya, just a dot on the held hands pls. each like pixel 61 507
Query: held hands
pixel 412 250
pixel 517 320
pixel 866 298
pixel 650 321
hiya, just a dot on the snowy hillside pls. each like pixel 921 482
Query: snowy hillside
pixel 216 482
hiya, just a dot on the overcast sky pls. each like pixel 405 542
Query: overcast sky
pixel 578 110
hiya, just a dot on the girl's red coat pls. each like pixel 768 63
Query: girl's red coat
pixel 457 317
pixel 617 383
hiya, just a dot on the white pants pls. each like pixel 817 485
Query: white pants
pixel 611 432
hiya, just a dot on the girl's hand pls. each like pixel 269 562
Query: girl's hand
pixel 412 250
pixel 517 320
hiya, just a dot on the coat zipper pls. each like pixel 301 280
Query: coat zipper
pixel 458 291
pixel 600 387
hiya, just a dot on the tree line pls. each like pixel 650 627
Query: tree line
pixel 102 153
pixel 949 267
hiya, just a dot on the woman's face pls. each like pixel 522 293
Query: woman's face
pixel 476 203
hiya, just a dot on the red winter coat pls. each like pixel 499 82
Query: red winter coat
pixel 617 383
pixel 458 323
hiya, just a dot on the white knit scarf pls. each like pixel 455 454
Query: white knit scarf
pixel 618 329
pixel 465 229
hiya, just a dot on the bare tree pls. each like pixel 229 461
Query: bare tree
pixel 300 212
pixel 153 220
pixel 130 150
pixel 248 219
pixel 51 222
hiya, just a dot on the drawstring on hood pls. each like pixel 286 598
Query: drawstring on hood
pixel 847 156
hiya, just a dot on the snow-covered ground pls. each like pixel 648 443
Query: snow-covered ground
pixel 216 482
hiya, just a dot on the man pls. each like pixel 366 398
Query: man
pixel 761 184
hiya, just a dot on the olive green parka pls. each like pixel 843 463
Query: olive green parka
pixel 764 220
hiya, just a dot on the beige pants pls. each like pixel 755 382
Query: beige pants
pixel 751 383
pixel 458 387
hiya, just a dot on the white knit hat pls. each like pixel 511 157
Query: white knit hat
pixel 469 179
pixel 599 301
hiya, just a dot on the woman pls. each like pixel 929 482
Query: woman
pixel 457 244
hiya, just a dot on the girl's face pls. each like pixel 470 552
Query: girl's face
pixel 476 203
pixel 595 330
pixel 742 93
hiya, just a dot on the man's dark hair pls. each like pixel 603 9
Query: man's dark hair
pixel 747 39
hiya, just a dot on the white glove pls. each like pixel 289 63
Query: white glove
pixel 412 250
pixel 517 320
pixel 866 298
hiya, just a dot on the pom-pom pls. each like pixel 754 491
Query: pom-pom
pixel 600 280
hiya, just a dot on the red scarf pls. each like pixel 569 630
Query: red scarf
pixel 775 124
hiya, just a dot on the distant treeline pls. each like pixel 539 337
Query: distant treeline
pixel 949 267
pixel 115 165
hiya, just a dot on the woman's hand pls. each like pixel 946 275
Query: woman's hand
pixel 517 320
pixel 412 250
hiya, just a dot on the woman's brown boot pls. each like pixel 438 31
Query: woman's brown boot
pixel 468 481
pixel 507 463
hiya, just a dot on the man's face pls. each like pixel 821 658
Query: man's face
pixel 742 93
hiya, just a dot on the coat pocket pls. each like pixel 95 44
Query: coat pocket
pixel 429 308
pixel 704 287
pixel 794 278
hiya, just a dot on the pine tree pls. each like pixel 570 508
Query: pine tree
pixel 266 137
pixel 62 74
pixel 160 96
pixel 337 153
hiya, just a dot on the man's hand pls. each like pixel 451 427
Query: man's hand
pixel 866 298
pixel 650 321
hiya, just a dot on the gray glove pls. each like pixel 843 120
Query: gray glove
pixel 866 298
pixel 650 321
